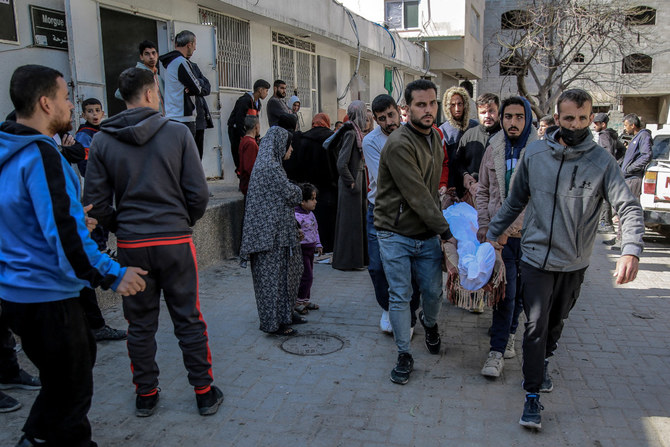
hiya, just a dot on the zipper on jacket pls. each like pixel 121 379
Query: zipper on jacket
pixel 574 176
pixel 401 208
pixel 553 211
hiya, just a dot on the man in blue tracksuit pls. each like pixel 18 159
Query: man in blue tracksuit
pixel 47 257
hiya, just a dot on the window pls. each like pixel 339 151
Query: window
pixel 513 65
pixel 474 23
pixel 641 15
pixel 636 63
pixel 233 49
pixel 402 14
pixel 579 58
pixel 294 61
pixel 515 19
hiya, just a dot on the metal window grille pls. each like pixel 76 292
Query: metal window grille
pixel 234 49
pixel 293 62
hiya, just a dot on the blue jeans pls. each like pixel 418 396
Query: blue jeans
pixel 376 270
pixel 506 312
pixel 404 258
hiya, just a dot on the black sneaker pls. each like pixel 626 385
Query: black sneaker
pixel 400 374
pixel 108 333
pixel 209 403
pixel 8 403
pixel 432 336
pixel 25 441
pixel 547 383
pixel 532 409
pixel 610 241
pixel 22 381
pixel 146 405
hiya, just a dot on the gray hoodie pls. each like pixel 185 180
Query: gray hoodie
pixel 564 188
pixel 144 176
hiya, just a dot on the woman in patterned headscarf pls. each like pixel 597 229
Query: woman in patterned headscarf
pixel 270 235
pixel 351 248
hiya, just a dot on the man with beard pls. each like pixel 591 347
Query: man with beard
pixel 496 174
pixel 386 113
pixel 408 221
pixel 562 181
pixel 473 143
pixel 47 257
pixel 276 104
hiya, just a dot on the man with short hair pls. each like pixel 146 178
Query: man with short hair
pixel 408 221
pixel 247 104
pixel 149 61
pixel 545 123
pixel 562 181
pixel 181 84
pixel 387 114
pixel 496 174
pixel 277 103
pixel 146 183
pixel 47 257
pixel 473 143
pixel 608 139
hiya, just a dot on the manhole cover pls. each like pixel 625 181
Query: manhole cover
pixel 312 344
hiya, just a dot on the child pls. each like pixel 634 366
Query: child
pixel 309 244
pixel 248 150
pixel 93 114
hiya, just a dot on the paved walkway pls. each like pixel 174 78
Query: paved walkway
pixel 611 374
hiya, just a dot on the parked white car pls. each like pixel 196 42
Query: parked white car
pixel 655 197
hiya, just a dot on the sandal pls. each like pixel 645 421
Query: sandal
pixel 301 309
pixel 298 319
pixel 285 331
pixel 311 306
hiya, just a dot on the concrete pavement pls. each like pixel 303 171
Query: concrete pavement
pixel 611 373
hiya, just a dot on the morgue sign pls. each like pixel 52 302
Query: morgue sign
pixel 49 29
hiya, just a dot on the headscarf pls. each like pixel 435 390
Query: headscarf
pixel 356 113
pixel 321 120
pixel 268 217
pixel 293 99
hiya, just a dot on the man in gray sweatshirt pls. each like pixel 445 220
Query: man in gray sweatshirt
pixel 562 182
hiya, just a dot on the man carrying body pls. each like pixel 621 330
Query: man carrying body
pixel 277 106
pixel 146 183
pixel 149 61
pixel 181 84
pixel 408 221
pixel 562 181
pixel 47 257
pixel 496 174
pixel 387 115
pixel 474 141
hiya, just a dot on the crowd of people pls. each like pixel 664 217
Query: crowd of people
pixel 371 192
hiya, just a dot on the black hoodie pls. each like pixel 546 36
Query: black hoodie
pixel 144 176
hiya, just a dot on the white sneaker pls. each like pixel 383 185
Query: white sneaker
pixel 494 365
pixel 385 323
pixel 510 353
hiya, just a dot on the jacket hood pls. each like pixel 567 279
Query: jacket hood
pixel 14 137
pixel 461 124
pixel 569 152
pixel 134 126
pixel 169 57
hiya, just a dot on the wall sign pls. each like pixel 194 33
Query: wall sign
pixel 8 28
pixel 49 29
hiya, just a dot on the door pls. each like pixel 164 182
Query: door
pixel 205 57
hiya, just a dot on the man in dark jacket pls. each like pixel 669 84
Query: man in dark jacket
pixel 247 104
pixel 146 184
pixel 203 119
pixel 277 103
pixel 608 139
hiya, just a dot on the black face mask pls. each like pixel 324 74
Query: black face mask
pixel 575 137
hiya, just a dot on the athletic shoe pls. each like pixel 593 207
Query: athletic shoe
pixel 385 323
pixel 403 368
pixel 493 365
pixel 108 333
pixel 610 241
pixel 547 383
pixel 209 403
pixel 432 336
pixel 532 409
pixel 22 381
pixel 8 403
pixel 510 353
pixel 604 228
pixel 146 405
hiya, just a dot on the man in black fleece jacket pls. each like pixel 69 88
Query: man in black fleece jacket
pixel 146 183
